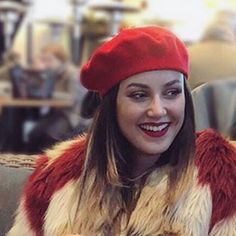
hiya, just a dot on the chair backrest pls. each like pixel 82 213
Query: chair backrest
pixel 14 170
pixel 215 105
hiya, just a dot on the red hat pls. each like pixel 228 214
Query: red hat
pixel 131 52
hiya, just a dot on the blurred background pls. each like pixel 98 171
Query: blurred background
pixel 45 42
pixel 27 25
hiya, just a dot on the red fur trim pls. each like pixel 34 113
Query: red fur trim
pixel 216 160
pixel 46 180
pixel 33 188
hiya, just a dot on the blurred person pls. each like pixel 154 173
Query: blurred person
pixel 225 16
pixel 12 72
pixel 214 56
pixel 10 59
pixel 55 60
pixel 57 123
pixel 141 169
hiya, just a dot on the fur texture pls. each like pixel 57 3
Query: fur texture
pixel 22 226
pixel 49 177
pixel 62 207
pixel 216 161
pixel 209 208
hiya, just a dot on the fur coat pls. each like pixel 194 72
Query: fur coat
pixel 208 208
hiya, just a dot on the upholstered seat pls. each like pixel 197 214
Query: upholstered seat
pixel 14 170
pixel 215 106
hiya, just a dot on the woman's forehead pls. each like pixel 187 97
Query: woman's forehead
pixel 154 77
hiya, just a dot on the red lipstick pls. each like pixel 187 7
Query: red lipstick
pixel 155 134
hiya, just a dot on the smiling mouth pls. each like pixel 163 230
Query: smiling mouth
pixel 155 130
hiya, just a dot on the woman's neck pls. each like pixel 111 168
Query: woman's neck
pixel 143 163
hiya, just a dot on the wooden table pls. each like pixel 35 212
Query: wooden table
pixel 13 115
pixel 55 103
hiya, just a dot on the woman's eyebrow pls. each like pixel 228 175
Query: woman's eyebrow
pixel 138 85
pixel 176 81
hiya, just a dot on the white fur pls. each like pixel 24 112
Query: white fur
pixel 21 223
pixel 61 211
pixel 148 213
pixel 59 149
pixel 194 210
pixel 191 216
pixel 225 227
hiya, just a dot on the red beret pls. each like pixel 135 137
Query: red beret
pixel 133 51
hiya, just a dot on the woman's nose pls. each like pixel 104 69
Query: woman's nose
pixel 156 108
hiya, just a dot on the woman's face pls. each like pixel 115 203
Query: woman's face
pixel 150 110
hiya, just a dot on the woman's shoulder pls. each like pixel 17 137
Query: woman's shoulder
pixel 55 169
pixel 213 147
pixel 63 161
pixel 215 158
pixel 216 162
pixel 66 150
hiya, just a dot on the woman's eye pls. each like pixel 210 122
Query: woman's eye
pixel 173 92
pixel 138 95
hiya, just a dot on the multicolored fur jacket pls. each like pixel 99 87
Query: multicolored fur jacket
pixel 209 208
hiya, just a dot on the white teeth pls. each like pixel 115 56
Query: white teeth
pixel 154 127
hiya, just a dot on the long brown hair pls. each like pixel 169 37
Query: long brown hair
pixel 181 153
pixel 105 185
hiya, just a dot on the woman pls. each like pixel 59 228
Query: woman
pixel 137 171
